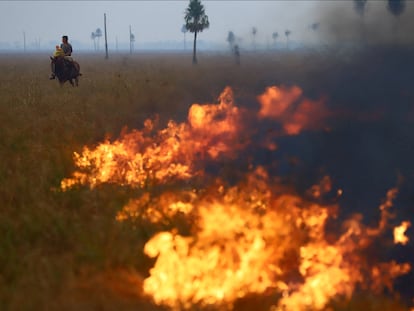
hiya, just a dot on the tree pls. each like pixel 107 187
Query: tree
pixel 287 34
pixel 196 21
pixel 184 30
pixel 396 7
pixel 93 37
pixel 274 37
pixel 98 34
pixel 254 33
pixel 231 39
pixel 359 6
pixel 314 27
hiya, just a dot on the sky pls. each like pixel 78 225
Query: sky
pixel 44 22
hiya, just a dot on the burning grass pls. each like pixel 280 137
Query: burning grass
pixel 250 239
pixel 176 200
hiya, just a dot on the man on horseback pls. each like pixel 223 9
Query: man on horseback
pixel 65 50
pixel 66 47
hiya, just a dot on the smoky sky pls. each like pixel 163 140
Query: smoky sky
pixel 342 22
pixel 338 21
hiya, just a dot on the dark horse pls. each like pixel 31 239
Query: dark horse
pixel 66 70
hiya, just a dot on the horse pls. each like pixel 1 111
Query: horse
pixel 66 70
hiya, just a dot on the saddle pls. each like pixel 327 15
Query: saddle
pixel 71 64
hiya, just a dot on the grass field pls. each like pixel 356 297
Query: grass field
pixel 64 250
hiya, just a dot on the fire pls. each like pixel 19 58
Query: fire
pixel 149 156
pixel 256 238
pixel 222 241
pixel 399 233
pixel 285 105
pixel 244 242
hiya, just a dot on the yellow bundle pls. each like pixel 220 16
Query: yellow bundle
pixel 58 52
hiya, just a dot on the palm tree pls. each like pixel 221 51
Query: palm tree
pixel 314 27
pixel 196 21
pixel 184 30
pixel 93 37
pixel 254 33
pixel 287 34
pixel 274 37
pixel 396 7
pixel 359 6
pixel 231 38
pixel 98 34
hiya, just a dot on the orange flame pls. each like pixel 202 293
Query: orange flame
pixel 285 105
pixel 143 157
pixel 251 239
pixel 399 233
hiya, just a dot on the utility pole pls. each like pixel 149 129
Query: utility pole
pixel 106 38
pixel 130 40
pixel 116 43
pixel 24 41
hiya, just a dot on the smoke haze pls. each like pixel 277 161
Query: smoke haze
pixel 340 23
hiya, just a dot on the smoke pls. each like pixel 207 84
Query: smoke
pixel 342 23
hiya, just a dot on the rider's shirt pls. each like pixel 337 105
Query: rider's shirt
pixel 67 48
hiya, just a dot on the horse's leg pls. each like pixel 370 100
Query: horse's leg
pixel 76 81
pixel 71 82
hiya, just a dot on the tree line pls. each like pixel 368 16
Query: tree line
pixel 196 20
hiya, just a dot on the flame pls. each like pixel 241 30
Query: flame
pixel 275 101
pixel 149 156
pixel 243 243
pixel 255 237
pixel 399 233
pixel 325 186
pixel 223 241
pixel 285 104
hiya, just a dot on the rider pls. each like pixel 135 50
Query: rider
pixel 64 50
pixel 67 48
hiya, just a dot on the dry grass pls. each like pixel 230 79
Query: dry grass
pixel 65 251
